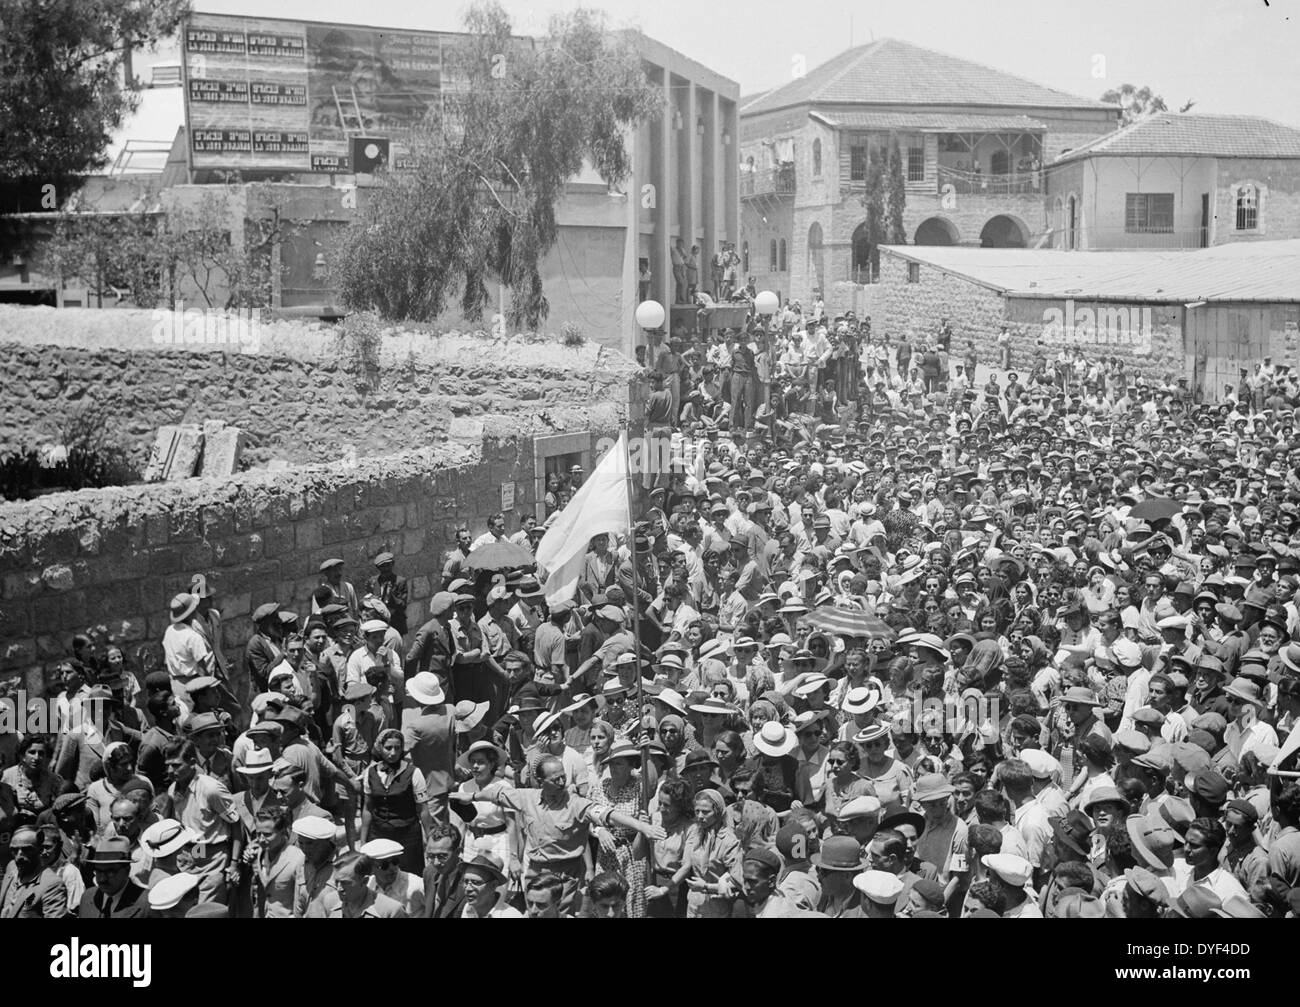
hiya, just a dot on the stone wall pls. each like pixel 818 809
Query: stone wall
pixel 978 313
pixel 300 391
pixel 1278 182
pixel 116 557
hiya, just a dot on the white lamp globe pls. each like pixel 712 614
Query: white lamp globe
pixel 766 302
pixel 650 314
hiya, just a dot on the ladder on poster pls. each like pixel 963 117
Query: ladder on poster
pixel 360 126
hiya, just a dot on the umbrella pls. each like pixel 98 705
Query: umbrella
pixel 1156 509
pixel 848 622
pixel 498 556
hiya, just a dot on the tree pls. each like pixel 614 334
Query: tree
pixel 61 92
pixel 895 199
pixel 874 200
pixel 479 202
pixel 1137 103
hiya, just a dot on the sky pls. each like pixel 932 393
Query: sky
pixel 1229 56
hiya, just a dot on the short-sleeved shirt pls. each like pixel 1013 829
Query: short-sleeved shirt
pixel 206 808
pixel 553 833
pixel 549 647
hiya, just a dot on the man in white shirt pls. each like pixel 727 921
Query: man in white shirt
pixel 496 532
pixel 1029 816
pixel 185 649
pixel 1205 838
pixel 1247 732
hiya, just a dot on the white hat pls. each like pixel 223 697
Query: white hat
pixel 860 807
pixel 314 827
pixel 257 761
pixel 863 699
pixel 811 684
pixel 545 722
pixel 880 887
pixel 425 689
pixel 714 648
pixel 672 699
pixel 775 739
pixel 671 661
pixel 1040 763
pixel 382 849
pixel 166 837
pixel 469 714
pixel 498 592
pixel 167 892
pixel 374 626
pixel 779 640
pixel 1014 870
pixel 1172 622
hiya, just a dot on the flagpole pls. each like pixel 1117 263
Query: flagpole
pixel 636 628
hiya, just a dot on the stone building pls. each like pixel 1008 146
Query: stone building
pixel 972 140
pixel 1202 315
pixel 1178 181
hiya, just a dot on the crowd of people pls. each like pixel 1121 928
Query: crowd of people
pixel 885 645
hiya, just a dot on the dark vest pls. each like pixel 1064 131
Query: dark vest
pixel 393 807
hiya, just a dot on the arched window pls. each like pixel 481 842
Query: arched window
pixel 771 256
pixel 783 267
pixel 744 257
pixel 1247 208
pixel 817 157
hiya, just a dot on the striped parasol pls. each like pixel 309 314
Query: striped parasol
pixel 848 622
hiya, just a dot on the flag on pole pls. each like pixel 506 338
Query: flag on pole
pixel 600 506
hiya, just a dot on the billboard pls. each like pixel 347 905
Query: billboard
pixel 266 94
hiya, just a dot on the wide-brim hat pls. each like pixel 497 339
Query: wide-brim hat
pixel 1245 690
pixel 470 714
pixel 839 853
pixel 932 787
pixel 166 837
pixel 912 818
pixel 624 749
pixel 672 699
pixel 713 708
pixel 426 689
pixel 1081 695
pixel 872 732
pixel 775 740
pixel 862 699
pixel 182 606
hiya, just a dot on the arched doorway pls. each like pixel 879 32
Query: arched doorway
pixel 1003 232
pixel 936 231
pixel 817 260
pixel 861 254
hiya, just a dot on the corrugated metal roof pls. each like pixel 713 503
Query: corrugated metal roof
pixel 1255 271
pixel 893 72
pixel 1194 135
pixel 922 122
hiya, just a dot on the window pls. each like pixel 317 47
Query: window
pixel 771 256
pixel 783 261
pixel 1247 208
pixel 1149 212
pixel 913 272
pixel 915 159
pixel 817 157
pixel 744 257
pixel 858 162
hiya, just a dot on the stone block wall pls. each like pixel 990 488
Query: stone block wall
pixel 978 312
pixel 299 391
pixel 1278 181
pixel 116 557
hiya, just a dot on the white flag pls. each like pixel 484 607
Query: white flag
pixel 599 507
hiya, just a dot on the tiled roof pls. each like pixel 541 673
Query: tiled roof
pixel 1171 133
pixel 1246 271
pixel 923 122
pixel 892 72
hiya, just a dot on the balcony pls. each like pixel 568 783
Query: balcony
pixel 767 182
pixel 967 183
pixel 1097 239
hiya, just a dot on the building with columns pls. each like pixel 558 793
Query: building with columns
pixel 972 140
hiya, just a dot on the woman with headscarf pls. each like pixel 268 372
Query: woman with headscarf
pixel 673 733
pixel 711 860
pixel 983 667
pixel 622 850
pixel 393 788
pixel 119 778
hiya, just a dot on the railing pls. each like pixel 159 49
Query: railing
pixel 1109 238
pixel 767 182
pixel 980 184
